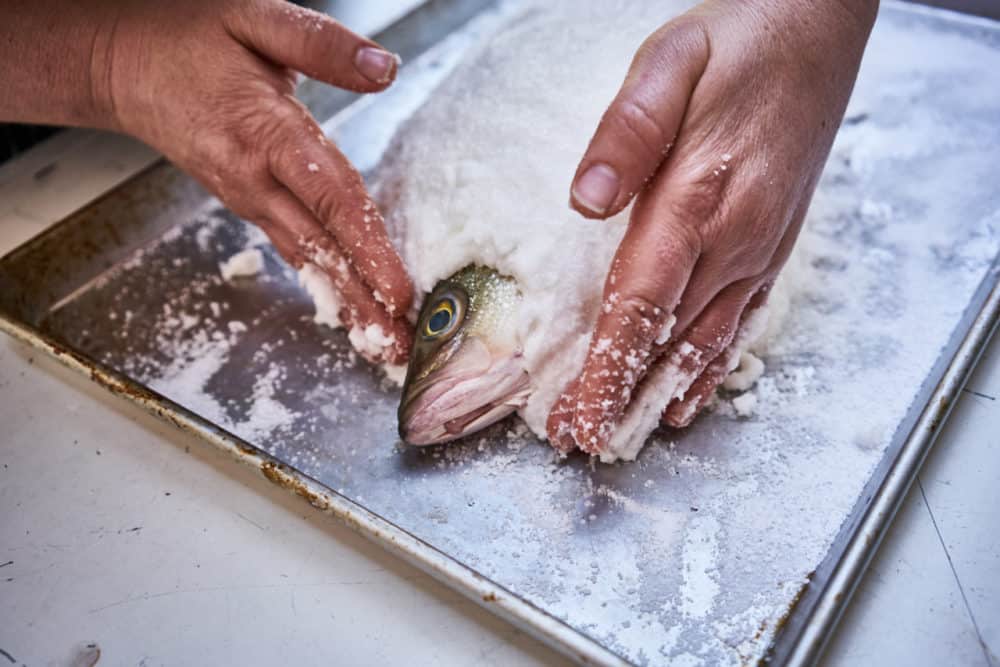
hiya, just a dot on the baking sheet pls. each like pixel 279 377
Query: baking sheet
pixel 698 551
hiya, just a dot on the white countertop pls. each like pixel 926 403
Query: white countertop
pixel 119 530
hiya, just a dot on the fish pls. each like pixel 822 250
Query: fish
pixel 467 369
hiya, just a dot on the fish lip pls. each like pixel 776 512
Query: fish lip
pixel 433 411
pixel 413 395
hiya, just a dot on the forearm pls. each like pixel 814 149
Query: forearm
pixel 50 57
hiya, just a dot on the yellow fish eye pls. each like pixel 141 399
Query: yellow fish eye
pixel 441 317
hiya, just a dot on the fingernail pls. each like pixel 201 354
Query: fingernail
pixel 375 64
pixel 597 188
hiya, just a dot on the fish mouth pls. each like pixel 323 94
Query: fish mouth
pixel 464 397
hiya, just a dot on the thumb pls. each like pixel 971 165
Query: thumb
pixel 639 127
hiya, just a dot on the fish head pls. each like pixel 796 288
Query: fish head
pixel 466 369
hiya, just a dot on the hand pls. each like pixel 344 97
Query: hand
pixel 211 86
pixel 722 127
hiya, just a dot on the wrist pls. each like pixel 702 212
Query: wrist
pixel 836 19
pixel 824 39
pixel 46 53
pixel 862 11
pixel 101 70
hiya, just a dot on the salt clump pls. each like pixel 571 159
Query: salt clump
pixel 746 375
pixel 326 298
pixel 745 404
pixel 370 341
pixel 245 263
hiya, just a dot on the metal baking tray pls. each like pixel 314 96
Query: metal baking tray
pixel 733 541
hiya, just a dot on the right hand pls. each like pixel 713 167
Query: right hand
pixel 211 86
pixel 719 135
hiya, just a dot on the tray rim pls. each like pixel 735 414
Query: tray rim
pixel 951 372
pixel 804 648
pixel 874 511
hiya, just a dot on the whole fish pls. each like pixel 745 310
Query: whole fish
pixel 466 370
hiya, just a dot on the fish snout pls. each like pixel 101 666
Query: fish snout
pixel 441 408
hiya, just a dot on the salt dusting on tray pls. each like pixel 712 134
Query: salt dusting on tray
pixel 694 552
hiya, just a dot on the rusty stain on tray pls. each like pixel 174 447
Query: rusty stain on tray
pixel 279 474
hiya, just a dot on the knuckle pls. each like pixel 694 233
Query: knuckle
pixel 287 112
pixel 701 199
pixel 757 262
pixel 285 124
pixel 639 126
pixel 283 119
pixel 683 41
pixel 223 150
pixel 641 312
pixel 328 206
pixel 743 256
pixel 710 341
pixel 682 245
pixel 685 37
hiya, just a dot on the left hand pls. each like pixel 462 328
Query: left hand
pixel 722 127
pixel 212 86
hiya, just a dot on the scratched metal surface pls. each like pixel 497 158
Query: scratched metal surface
pixel 700 549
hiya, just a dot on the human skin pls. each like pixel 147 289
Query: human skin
pixel 719 134
pixel 211 86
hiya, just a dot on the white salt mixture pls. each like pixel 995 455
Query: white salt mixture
pixel 481 174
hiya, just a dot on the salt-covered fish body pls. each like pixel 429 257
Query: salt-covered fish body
pixel 481 175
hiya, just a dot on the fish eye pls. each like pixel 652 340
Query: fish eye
pixel 442 317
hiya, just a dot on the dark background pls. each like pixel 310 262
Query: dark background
pixel 16 138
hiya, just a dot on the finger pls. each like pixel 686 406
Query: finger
pixel 639 126
pixel 375 334
pixel 319 175
pixel 300 238
pixel 716 281
pixel 560 421
pixel 680 413
pixel 314 44
pixel 649 273
pixel 713 330
pixel 714 366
